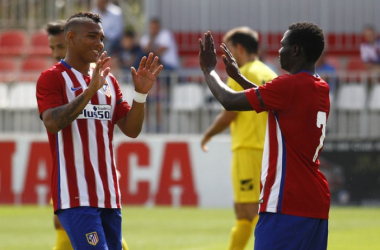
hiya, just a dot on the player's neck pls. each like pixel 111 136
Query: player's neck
pixel 249 58
pixel 78 65
pixel 308 67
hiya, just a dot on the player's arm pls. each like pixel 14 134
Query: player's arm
pixel 143 79
pixel 58 118
pixel 221 122
pixel 230 99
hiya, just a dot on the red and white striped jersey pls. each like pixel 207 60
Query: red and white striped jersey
pixel 84 171
pixel 291 182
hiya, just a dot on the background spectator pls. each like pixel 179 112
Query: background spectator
pixel 130 54
pixel 162 43
pixel 112 22
pixel 370 47
pixel 326 71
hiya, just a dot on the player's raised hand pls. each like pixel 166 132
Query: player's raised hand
pixel 232 67
pixel 146 74
pixel 99 74
pixel 207 53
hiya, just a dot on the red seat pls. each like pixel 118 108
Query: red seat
pixel 39 44
pixel 8 69
pixel 192 70
pixel 31 68
pixel 355 64
pixel 12 42
pixel 190 62
pixel 355 69
pixel 334 61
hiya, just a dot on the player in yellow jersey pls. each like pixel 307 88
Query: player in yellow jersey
pixel 247 133
pixel 57 44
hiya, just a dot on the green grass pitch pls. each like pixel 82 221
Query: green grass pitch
pixel 159 228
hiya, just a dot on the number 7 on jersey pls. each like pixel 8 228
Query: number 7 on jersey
pixel 321 121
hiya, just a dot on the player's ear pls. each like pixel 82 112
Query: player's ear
pixel 296 50
pixel 70 37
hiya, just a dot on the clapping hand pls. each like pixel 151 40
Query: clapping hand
pixel 232 67
pixel 207 53
pixel 146 74
pixel 99 74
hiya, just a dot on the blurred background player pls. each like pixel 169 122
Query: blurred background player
pixel 58 47
pixel 295 197
pixel 247 133
pixel 56 39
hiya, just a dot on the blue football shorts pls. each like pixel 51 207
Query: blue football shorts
pixel 287 232
pixel 92 228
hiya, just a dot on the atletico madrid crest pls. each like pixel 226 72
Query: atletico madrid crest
pixel 92 238
pixel 106 89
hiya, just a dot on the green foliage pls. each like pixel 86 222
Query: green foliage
pixel 158 228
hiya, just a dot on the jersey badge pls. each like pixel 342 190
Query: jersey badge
pixel 92 238
pixel 106 89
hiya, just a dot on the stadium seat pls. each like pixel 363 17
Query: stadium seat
pixel 374 111
pixel 190 69
pixel 187 100
pixel 374 98
pixel 8 69
pixel 3 105
pixel 355 63
pixel 190 62
pixel 39 44
pixel 334 61
pixel 351 110
pixel 3 95
pixel 31 68
pixel 187 97
pixel 355 70
pixel 23 105
pixel 23 95
pixel 12 43
pixel 352 97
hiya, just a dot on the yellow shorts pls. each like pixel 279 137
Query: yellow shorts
pixel 245 172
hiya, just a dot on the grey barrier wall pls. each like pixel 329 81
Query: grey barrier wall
pixel 352 168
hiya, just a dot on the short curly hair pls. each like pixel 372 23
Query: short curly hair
pixel 79 18
pixel 308 36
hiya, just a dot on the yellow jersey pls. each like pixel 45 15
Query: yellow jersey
pixel 248 128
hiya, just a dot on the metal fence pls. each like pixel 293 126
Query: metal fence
pixel 181 103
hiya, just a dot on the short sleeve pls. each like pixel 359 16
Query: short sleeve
pixel 122 106
pixel 363 53
pixel 49 91
pixel 274 95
